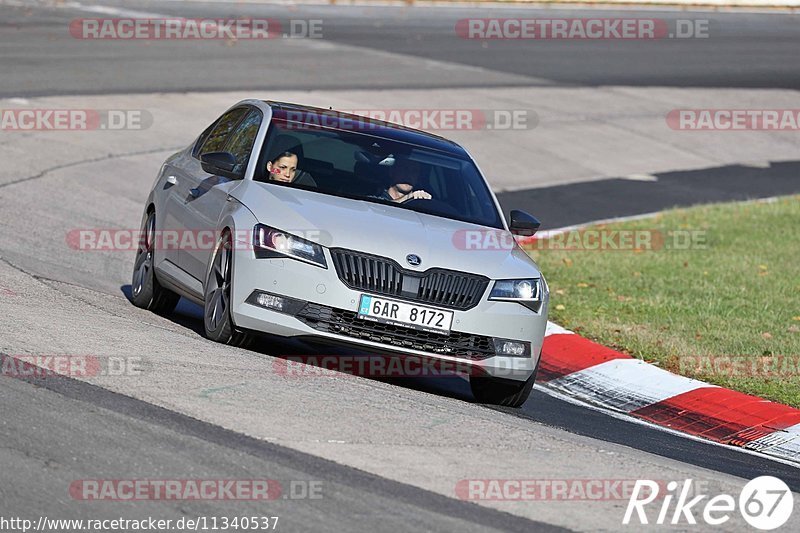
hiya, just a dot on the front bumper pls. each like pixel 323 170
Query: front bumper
pixel 327 312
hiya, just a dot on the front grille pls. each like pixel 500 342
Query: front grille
pixel 380 275
pixel 341 322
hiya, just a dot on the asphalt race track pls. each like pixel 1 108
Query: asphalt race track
pixel 387 454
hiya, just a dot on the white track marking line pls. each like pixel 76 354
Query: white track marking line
pixel 546 234
pixel 626 417
pixel 642 5
pixel 619 384
pixel 640 177
pixel 781 443
pixel 555 329
pixel 117 11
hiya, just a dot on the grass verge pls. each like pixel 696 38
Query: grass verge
pixel 711 292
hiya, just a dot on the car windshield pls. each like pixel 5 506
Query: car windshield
pixel 370 168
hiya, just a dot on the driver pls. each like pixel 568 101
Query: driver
pixel 404 175
pixel 283 168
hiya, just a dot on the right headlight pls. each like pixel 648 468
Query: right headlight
pixel 272 242
pixel 527 291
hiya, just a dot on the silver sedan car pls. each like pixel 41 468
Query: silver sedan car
pixel 300 222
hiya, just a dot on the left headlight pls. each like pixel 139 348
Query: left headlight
pixel 272 242
pixel 528 292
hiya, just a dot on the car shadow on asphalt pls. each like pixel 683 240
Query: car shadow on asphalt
pixel 186 314
pixel 189 315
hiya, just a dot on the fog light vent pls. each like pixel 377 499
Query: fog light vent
pixel 512 348
pixel 275 302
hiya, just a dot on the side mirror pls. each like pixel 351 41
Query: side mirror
pixel 218 163
pixel 523 223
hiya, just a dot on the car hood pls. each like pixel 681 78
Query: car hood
pixel 387 231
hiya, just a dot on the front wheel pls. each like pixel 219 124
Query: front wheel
pixel 146 291
pixel 217 298
pixel 499 391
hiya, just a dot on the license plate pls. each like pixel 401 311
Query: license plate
pixel 405 314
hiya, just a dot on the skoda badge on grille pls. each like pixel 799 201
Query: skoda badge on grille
pixel 413 260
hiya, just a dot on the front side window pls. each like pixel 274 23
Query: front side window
pixel 218 136
pixel 240 142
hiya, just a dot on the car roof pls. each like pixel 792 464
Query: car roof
pixel 337 120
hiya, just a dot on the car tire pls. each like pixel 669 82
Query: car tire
pixel 500 391
pixel 217 319
pixel 146 291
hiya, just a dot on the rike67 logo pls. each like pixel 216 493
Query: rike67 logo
pixel 765 503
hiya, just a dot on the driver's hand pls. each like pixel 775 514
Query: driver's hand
pixel 417 195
